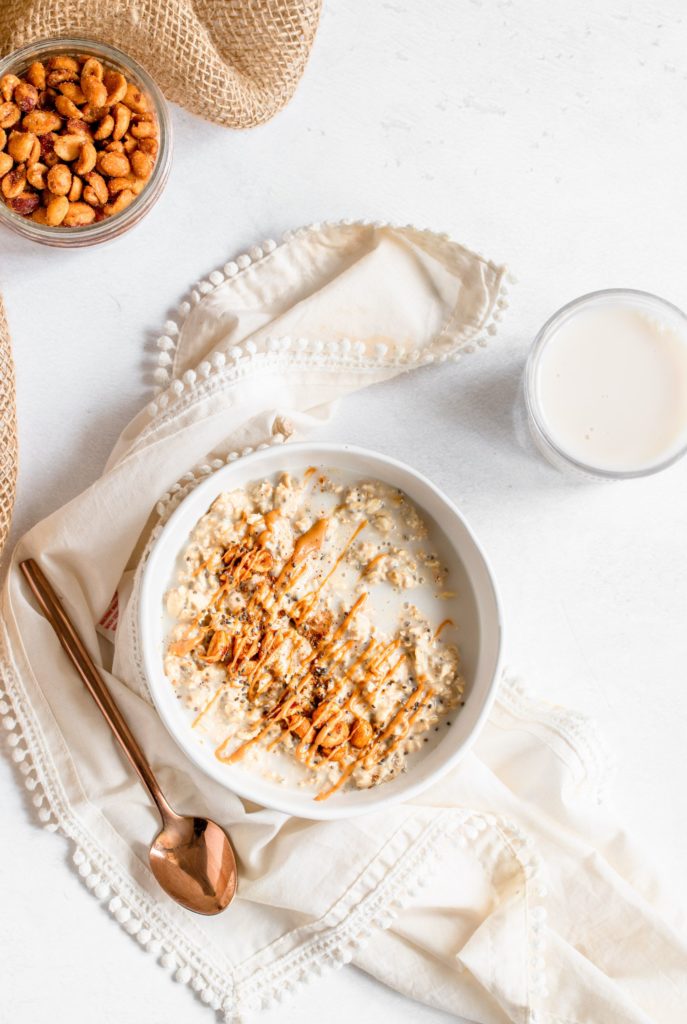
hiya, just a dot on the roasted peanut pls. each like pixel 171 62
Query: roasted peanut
pixel 123 200
pixel 122 119
pixel 333 735
pixel 143 130
pixel 94 90
pixel 42 121
pixel 89 113
pixel 20 145
pixel 35 175
pixel 141 164
pixel 115 165
pixel 92 66
pixel 36 75
pixel 59 179
pixel 134 99
pixel 129 145
pixel 73 92
pixel 361 734
pixel 39 215
pixel 76 189
pixel 105 128
pixel 56 78
pixel 75 126
pixel 35 153
pixel 79 214
pixel 95 192
pixel 115 185
pixel 116 85
pixel 14 182
pixel 8 83
pixel 68 147
pixel 5 164
pixel 3 138
pixel 25 203
pixel 87 157
pixel 66 107
pixel 26 96
pixel 148 146
pixel 114 147
pixel 63 62
pixel 56 210
pixel 9 114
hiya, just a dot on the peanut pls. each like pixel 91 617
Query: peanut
pixel 114 165
pixel 9 114
pixel 105 128
pixel 73 92
pixel 116 185
pixel 26 96
pixel 63 62
pixel 116 85
pixel 41 122
pixel 96 193
pixel 115 147
pixel 3 138
pixel 141 164
pixel 56 78
pixel 35 153
pixel 8 83
pixel 79 214
pixel 36 75
pixel 56 210
pixel 94 90
pixel 361 734
pixel 5 164
pixel 122 119
pixel 75 191
pixel 14 182
pixel 87 157
pixel 66 107
pixel 135 100
pixel 39 215
pixel 75 126
pixel 35 175
pixel 20 145
pixel 92 66
pixel 25 203
pixel 124 199
pixel 59 179
pixel 148 146
pixel 68 147
pixel 143 130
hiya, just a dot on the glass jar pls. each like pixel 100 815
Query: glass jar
pixel 110 227
pixel 657 311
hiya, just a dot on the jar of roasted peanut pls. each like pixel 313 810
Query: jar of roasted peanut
pixel 85 142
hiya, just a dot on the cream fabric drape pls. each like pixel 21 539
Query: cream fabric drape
pixel 506 892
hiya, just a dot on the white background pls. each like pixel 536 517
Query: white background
pixel 545 134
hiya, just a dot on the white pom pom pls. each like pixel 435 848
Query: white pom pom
pixel 183 974
pixel 161 376
pixel 235 353
pixel 232 456
pixel 184 309
pixel 256 253
pixel 171 327
pixel 44 814
pixel 216 277
pixel 251 347
pixel 302 343
pixel 381 350
pixel 273 344
pixel 204 287
pixel 164 359
pixel 13 739
pixel 102 890
pixel 243 261
pixel 246 451
pixel 177 387
pixel 218 359
pixel 205 369
pixel 269 245
pixel 165 343
pixel 152 409
pixel 168 960
pixel 195 296
pixel 189 377
pixel 123 915
pixel 79 857
pixel 231 269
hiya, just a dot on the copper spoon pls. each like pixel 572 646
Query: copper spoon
pixel 192 858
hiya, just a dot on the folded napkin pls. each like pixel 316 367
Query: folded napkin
pixel 504 893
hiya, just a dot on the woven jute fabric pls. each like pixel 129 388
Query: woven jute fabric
pixel 8 430
pixel 236 62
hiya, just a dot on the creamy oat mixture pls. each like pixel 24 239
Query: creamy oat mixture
pixel 295 633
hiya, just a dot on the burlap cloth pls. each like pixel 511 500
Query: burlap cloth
pixel 236 62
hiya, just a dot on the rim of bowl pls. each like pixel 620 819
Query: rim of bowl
pixel 531 367
pixel 111 227
pixel 321 812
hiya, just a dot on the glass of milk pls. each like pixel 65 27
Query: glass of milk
pixel 606 385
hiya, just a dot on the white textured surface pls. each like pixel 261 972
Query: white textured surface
pixel 541 133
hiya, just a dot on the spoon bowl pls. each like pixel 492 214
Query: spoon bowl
pixel 194 863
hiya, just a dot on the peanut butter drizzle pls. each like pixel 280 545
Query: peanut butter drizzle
pixel 370 565
pixel 207 707
pixel 307 603
pixel 270 519
pixel 442 626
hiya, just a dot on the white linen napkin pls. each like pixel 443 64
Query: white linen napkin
pixel 504 893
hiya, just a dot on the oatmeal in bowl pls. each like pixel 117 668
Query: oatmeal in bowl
pixel 318 645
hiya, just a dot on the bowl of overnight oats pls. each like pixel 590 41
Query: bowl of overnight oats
pixel 320 629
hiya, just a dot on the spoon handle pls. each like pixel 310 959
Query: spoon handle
pixel 95 684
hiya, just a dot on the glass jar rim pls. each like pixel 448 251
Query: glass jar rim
pixel 635 296
pixel 110 227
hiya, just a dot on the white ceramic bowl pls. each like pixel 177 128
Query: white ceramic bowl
pixel 478 609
